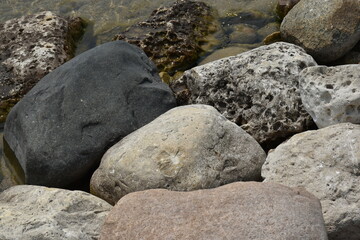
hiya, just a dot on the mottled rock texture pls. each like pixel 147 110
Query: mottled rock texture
pixel 325 162
pixel 187 148
pixel 64 125
pixel 31 47
pixel 257 90
pixel 327 30
pixel 172 36
pixel 331 95
pixel 249 210
pixel 34 212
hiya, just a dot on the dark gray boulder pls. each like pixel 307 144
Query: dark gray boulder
pixel 64 125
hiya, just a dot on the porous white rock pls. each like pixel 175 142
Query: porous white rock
pixel 327 163
pixel 34 212
pixel 187 148
pixel 257 89
pixel 331 95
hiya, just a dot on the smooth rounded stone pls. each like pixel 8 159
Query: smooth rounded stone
pixel 34 212
pixel 242 210
pixel 172 36
pixel 63 126
pixel 31 47
pixel 257 90
pixel 331 95
pixel 327 30
pixel 187 148
pixel 325 162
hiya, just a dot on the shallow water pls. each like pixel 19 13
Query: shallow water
pixel 108 17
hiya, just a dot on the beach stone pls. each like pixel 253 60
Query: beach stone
pixel 34 212
pixel 30 47
pixel 187 148
pixel 242 210
pixel 258 90
pixel 325 162
pixel 327 30
pixel 331 95
pixel 172 36
pixel 60 130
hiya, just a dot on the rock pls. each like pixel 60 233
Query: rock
pixel 257 89
pixel 326 30
pixel 224 52
pixel 35 212
pixel 248 210
pixel 31 47
pixel 326 163
pixel 187 148
pixel 172 36
pixel 331 94
pixel 284 6
pixel 63 126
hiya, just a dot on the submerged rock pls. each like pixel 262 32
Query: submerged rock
pixel 242 210
pixel 284 6
pixel 331 95
pixel 31 47
pixel 327 30
pixel 172 36
pixel 325 162
pixel 35 212
pixel 60 130
pixel 187 148
pixel 257 89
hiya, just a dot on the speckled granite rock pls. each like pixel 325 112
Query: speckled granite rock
pixel 331 95
pixel 327 30
pixel 257 89
pixel 35 212
pixel 325 162
pixel 187 148
pixel 62 127
pixel 172 36
pixel 250 210
pixel 31 47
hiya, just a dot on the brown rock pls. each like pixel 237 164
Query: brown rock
pixel 235 211
pixel 172 36
pixel 31 47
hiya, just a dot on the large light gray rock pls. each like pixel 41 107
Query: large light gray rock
pixel 250 210
pixel 327 30
pixel 327 163
pixel 331 95
pixel 257 89
pixel 187 148
pixel 34 212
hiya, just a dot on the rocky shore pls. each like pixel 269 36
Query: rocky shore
pixel 261 144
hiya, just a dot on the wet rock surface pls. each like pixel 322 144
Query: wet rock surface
pixel 35 212
pixel 326 30
pixel 235 211
pixel 172 36
pixel 187 148
pixel 62 127
pixel 326 163
pixel 31 47
pixel 258 90
pixel 284 6
pixel 331 95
